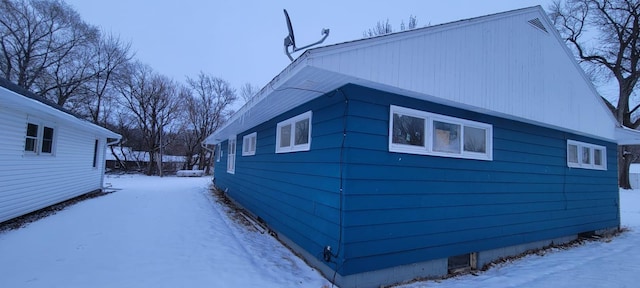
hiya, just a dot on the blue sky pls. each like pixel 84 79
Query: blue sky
pixel 242 41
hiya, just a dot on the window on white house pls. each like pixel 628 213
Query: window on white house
pixel 586 155
pixel 95 153
pixel 47 140
pixel 249 144
pixel 31 140
pixel 39 139
pixel 231 155
pixel 418 132
pixel 294 134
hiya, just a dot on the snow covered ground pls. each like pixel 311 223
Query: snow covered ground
pixel 169 232
pixel 155 232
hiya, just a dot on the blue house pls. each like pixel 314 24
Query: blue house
pixel 419 153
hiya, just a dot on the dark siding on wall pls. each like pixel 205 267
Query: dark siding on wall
pixel 403 208
pixel 297 194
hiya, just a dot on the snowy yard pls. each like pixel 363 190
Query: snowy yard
pixel 155 232
pixel 169 232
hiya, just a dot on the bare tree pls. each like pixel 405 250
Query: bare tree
pixel 207 110
pixel 605 36
pixel 35 36
pixel 111 55
pixel 247 91
pixel 152 100
pixel 383 28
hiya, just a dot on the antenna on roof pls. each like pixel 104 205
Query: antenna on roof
pixel 290 40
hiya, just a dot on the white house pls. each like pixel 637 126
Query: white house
pixel 47 155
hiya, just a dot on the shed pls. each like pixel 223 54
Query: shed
pixel 419 153
pixel 48 155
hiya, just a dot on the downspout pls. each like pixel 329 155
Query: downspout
pixel 104 159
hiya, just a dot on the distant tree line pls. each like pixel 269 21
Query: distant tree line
pixel 47 48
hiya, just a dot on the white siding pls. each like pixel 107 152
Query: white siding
pixel 32 182
pixel 499 63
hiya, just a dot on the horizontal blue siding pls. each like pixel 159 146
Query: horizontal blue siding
pixel 296 194
pixel 403 208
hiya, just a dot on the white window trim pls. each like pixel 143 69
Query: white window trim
pixel 592 148
pixel 292 121
pixel 218 152
pixel 427 149
pixel 246 144
pixel 39 139
pixel 231 157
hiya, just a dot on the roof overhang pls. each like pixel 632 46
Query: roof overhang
pixel 301 83
pixel 627 136
pixel 15 101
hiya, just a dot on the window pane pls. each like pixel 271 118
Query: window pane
pixel 30 145
pixel 572 153
pixel 586 155
pixel 31 138
pixel 32 130
pixel 285 136
pixel 408 130
pixel 253 144
pixel 446 137
pixel 475 140
pixel 95 153
pixel 597 157
pixel 47 140
pixel 302 132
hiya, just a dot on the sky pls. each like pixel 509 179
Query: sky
pixel 242 41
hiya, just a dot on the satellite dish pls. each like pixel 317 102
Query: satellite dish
pixel 290 40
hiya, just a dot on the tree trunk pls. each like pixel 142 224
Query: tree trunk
pixel 159 162
pixel 625 157
pixel 151 163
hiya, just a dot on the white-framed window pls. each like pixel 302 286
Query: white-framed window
pixel 39 139
pixel 586 155
pixel 249 144
pixel 419 132
pixel 294 134
pixel 218 152
pixel 231 155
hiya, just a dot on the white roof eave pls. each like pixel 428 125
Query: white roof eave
pixel 627 136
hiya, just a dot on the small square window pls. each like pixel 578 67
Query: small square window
pixel 572 153
pixel 597 157
pixel 408 130
pixel 249 144
pixel 446 137
pixel 475 139
pixel 294 134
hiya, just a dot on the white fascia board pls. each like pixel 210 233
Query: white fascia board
pixel 627 136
